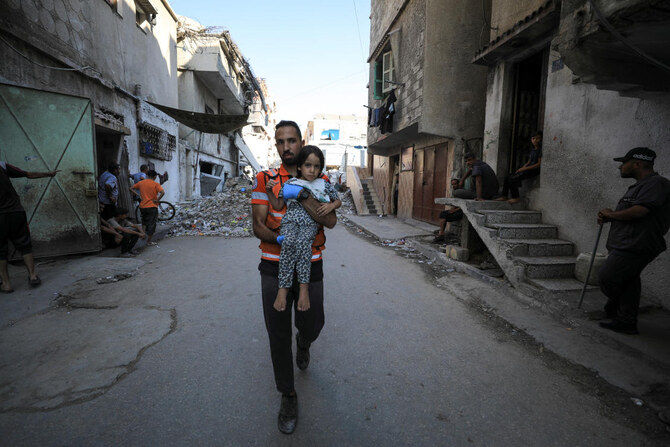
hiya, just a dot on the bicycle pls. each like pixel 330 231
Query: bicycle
pixel 166 211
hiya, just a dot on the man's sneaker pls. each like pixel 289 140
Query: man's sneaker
pixel 302 354
pixel 288 414
pixel 619 326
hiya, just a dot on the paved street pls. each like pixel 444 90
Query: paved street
pixel 178 355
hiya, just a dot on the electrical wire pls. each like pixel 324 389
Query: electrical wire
pixel 358 28
pixel 625 41
pixel 87 67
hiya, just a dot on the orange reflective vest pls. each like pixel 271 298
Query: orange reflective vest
pixel 270 251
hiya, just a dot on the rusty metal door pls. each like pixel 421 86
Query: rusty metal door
pixel 43 131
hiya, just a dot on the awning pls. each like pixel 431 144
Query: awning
pixel 205 122
pixel 242 146
pixel 146 6
pixel 533 31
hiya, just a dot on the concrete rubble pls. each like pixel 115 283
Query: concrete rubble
pixel 225 213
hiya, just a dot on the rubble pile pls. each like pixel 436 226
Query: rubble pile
pixel 226 213
pixel 347 202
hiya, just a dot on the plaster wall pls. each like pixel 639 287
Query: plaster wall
pixel 498 122
pixel 584 129
pixel 382 15
pixel 454 89
pixel 505 13
pixel 409 64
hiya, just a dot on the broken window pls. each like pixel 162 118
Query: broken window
pixel 156 142
pixel 145 12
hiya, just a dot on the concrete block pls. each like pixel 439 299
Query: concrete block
pixel 457 253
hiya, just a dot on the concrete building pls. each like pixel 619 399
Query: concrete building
pixel 421 53
pixel 214 79
pixel 78 82
pixel 259 134
pixel 593 75
pixel 342 138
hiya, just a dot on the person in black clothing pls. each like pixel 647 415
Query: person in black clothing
pixel 636 237
pixel 485 181
pixel 14 224
pixel 529 170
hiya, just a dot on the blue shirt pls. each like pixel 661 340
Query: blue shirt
pixel 107 178
pixel 138 176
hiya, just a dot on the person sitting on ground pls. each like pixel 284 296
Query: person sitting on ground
pixel 298 229
pixel 150 193
pixel 450 214
pixel 130 232
pixel 485 184
pixel 529 170
pixel 139 176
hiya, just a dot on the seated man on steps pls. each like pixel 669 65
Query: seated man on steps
pixel 486 182
pixel 450 214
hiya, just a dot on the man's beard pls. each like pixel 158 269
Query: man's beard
pixel 290 162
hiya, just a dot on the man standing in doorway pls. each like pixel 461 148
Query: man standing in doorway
pixel 14 224
pixel 636 237
pixel 108 190
pixel 266 222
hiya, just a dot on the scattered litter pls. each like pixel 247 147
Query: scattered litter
pixel 225 213
pixel 637 401
pixel 450 270
pixel 170 251
pixel 114 278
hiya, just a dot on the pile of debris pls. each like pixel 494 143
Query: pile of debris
pixel 226 213
pixel 347 202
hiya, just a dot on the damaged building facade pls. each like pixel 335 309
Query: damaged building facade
pixel 594 76
pixel 87 83
pixel 426 100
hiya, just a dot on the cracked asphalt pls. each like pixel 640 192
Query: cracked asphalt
pixel 177 354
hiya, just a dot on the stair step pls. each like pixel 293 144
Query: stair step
pixel 548 266
pixel 524 231
pixel 511 216
pixel 559 284
pixel 540 247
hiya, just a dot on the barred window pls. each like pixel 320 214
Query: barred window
pixel 156 142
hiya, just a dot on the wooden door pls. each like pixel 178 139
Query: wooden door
pixel 430 180
pixel 418 184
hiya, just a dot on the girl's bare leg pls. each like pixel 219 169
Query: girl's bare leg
pixel 303 298
pixel 280 302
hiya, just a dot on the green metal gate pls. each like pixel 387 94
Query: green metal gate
pixel 44 131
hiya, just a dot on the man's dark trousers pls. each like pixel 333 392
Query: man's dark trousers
pixel 620 281
pixel 278 324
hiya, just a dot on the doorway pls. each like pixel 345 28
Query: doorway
pixel 430 181
pixel 529 83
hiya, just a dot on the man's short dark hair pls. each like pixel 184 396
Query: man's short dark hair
pixel 285 123
pixel 120 212
pixel 537 133
pixel 113 166
pixel 144 168
pixel 469 155
pixel 151 173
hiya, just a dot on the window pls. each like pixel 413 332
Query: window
pixel 384 71
pixel 145 12
pixel 388 69
pixel 156 142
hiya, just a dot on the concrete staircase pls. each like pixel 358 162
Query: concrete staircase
pixel 371 203
pixel 528 251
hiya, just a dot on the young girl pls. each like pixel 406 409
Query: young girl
pixel 298 229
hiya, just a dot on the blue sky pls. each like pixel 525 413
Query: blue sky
pixel 311 53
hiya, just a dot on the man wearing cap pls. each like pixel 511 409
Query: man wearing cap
pixel 636 237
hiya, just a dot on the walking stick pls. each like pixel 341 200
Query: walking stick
pixel 593 257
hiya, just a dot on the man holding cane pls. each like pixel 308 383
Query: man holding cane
pixel 636 237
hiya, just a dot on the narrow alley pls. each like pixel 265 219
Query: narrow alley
pixel 401 361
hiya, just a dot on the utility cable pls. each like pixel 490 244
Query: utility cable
pixel 87 67
pixel 484 15
pixel 625 41
pixel 358 28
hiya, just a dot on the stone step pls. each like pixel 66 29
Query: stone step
pixel 511 216
pixel 523 231
pixel 559 284
pixel 548 266
pixel 540 247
